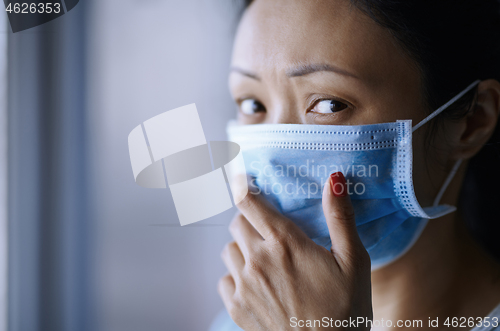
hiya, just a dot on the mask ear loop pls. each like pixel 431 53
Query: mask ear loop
pixel 447 182
pixel 446 105
pixel 458 162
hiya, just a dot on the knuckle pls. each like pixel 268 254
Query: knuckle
pixel 280 232
pixel 229 246
pixel 282 240
pixel 345 216
pixel 232 245
pixel 243 291
pixel 236 222
pixel 255 268
pixel 235 305
pixel 235 310
pixel 248 201
pixel 255 265
pixel 222 282
pixel 281 251
pixel 242 294
pixel 349 214
pixel 273 234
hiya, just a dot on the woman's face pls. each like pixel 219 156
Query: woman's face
pixel 320 62
pixel 324 62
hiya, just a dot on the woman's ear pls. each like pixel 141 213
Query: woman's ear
pixel 481 122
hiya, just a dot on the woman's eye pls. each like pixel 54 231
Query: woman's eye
pixel 329 106
pixel 251 106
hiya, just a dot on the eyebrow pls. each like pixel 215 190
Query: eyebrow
pixel 311 68
pixel 301 70
pixel 245 73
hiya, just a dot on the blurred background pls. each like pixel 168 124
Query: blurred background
pixel 82 247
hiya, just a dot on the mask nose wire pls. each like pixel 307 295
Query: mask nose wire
pixel 446 105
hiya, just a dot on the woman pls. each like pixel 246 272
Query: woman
pixel 339 69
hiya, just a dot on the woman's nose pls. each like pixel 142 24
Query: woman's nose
pixel 286 114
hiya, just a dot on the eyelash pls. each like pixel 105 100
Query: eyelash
pixel 242 100
pixel 313 104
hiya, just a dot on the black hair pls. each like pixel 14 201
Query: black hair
pixel 454 43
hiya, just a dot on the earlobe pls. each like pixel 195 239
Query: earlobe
pixel 482 121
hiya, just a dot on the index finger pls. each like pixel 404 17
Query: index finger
pixel 262 215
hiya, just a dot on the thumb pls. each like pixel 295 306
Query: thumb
pixel 339 215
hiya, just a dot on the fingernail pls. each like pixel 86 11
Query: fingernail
pixel 338 184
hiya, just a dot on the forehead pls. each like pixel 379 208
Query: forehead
pixel 274 35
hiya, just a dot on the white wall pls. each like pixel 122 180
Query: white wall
pixel 147 57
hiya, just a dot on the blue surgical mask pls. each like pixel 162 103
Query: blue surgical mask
pixel 289 164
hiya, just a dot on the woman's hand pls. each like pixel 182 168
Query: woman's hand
pixel 279 277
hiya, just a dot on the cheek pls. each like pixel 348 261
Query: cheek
pixel 257 118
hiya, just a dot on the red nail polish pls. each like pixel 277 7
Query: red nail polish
pixel 338 184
